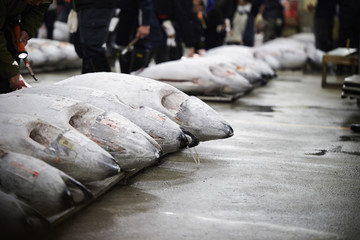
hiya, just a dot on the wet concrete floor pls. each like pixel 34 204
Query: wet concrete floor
pixel 291 171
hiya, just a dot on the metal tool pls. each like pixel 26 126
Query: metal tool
pixel 129 46
pixel 22 53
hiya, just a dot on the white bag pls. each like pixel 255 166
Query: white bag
pixel 72 21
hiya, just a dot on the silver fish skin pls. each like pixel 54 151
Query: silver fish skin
pixel 139 91
pixel 129 144
pixel 254 64
pixel 65 149
pixel 166 133
pixel 43 187
pixel 19 221
pixel 202 76
pixel 289 52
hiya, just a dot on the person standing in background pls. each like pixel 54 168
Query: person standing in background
pixel 93 27
pixel 349 23
pixel 241 20
pixel 136 21
pixel 50 18
pixel 174 17
pixel 325 11
pixel 273 19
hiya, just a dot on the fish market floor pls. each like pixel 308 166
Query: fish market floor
pixel 291 171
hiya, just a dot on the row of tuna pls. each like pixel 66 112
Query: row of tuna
pixel 229 70
pixel 233 70
pixel 57 139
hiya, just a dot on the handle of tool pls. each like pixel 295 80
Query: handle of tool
pixel 129 46
pixel 20 45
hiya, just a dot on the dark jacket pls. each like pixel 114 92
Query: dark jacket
pixel 179 12
pixel 82 4
pixel 31 19
pixel 129 20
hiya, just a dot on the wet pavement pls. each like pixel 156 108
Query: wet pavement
pixel 291 171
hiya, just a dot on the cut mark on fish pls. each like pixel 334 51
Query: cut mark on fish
pixel 108 146
pixel 156 138
pixel 23 171
pixel 110 123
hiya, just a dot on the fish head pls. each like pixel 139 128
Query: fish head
pixel 231 81
pixel 128 143
pixel 202 120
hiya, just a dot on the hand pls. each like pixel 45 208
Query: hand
pixel 16 82
pixel 143 31
pixel 24 37
pixel 189 52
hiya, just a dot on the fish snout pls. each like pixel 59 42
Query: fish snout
pixel 191 139
pixel 75 192
pixel 109 167
pixel 230 130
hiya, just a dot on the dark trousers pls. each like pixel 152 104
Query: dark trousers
pixel 91 37
pixel 324 33
pixel 49 20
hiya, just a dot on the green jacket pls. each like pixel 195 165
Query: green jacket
pixel 31 19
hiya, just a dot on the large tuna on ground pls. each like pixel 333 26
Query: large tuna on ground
pixel 166 133
pixel 189 112
pixel 65 149
pixel 43 187
pixel 199 76
pixel 126 142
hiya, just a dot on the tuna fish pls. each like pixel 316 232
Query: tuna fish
pixel 199 76
pixel 243 61
pixel 19 221
pixel 189 112
pixel 43 187
pixel 126 142
pixel 166 133
pixel 46 54
pixel 289 52
pixel 65 149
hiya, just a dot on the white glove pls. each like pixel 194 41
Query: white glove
pixel 170 33
pixel 227 25
pixel 168 28
pixel 189 52
pixel 72 21
pixel 170 42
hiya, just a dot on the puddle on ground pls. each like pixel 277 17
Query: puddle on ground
pixel 254 108
pixel 350 138
pixel 322 152
pixel 288 79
